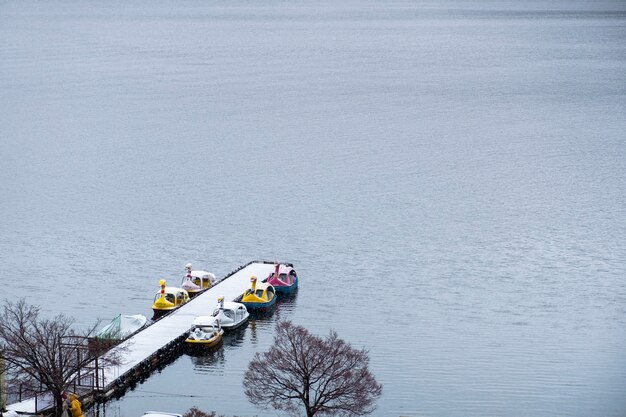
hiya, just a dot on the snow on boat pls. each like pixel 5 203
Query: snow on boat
pixel 205 332
pixel 168 299
pixel 284 279
pixel 230 314
pixel 195 282
pixel 259 296
pixel 160 414
pixel 120 328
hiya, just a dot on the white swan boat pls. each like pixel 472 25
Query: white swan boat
pixel 231 315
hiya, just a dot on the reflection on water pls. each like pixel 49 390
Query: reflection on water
pixel 285 305
pixel 236 338
pixel 209 362
pixel 260 323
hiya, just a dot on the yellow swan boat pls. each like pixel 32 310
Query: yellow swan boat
pixel 258 296
pixel 168 299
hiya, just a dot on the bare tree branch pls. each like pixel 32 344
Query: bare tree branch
pixel 323 376
pixel 36 352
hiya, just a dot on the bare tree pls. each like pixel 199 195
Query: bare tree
pixel 36 354
pixel 196 412
pixel 2 383
pixel 323 376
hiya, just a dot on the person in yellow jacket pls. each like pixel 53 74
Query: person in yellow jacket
pixel 75 409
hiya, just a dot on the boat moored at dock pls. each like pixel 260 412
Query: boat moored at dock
pixel 231 315
pixel 168 299
pixel 259 296
pixel 119 329
pixel 195 282
pixel 284 279
pixel 205 332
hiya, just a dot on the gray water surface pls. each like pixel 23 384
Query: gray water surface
pixel 447 177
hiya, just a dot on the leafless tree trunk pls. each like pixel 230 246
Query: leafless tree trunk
pixel 323 376
pixel 36 351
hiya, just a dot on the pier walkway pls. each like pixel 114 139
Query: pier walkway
pixel 138 350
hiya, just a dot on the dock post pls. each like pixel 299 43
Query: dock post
pixel 97 382
pixel 77 361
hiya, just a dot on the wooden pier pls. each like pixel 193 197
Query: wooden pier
pixel 155 345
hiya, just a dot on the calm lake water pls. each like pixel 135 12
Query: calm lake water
pixel 446 176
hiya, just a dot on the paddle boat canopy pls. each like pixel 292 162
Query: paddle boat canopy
pixel 194 282
pixel 230 314
pixel 259 295
pixel 168 299
pixel 205 332
pixel 284 279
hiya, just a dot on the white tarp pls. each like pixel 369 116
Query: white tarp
pixel 121 327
